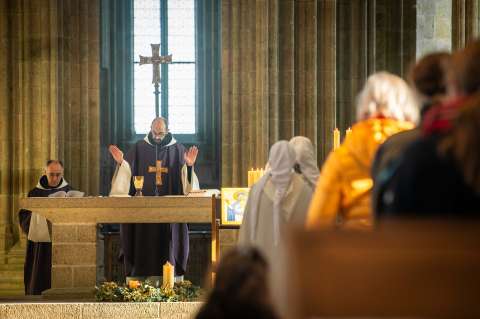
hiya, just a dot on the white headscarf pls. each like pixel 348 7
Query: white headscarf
pixel 305 158
pixel 280 162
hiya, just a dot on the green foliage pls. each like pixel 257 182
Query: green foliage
pixel 112 292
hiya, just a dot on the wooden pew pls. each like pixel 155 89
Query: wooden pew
pixel 414 270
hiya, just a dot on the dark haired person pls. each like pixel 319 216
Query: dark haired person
pixel 38 261
pixel 439 174
pixel 241 287
pixel 428 78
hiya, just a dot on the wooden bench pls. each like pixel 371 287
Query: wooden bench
pixel 422 269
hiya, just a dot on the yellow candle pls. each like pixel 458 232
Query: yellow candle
pixel 132 284
pixel 168 275
pixel 257 175
pixel 336 138
pixel 348 132
pixel 250 178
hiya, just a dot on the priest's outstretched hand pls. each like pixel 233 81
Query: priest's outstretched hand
pixel 191 155
pixel 117 154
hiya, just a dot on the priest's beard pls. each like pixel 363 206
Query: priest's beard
pixel 160 142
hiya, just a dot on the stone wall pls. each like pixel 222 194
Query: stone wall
pixel 434 26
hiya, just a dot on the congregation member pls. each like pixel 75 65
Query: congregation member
pixel 428 78
pixel 305 160
pixel 168 169
pixel 38 260
pixel 278 199
pixel 342 197
pixel 439 173
pixel 241 288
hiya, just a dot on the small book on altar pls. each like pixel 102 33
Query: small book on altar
pixel 71 193
pixel 203 192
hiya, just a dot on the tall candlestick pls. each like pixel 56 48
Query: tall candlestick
pixel 168 275
pixel 336 138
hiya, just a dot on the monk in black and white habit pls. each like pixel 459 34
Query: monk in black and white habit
pixel 38 261
pixel 167 168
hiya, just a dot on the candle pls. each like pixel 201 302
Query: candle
pixel 348 132
pixel 250 178
pixel 336 138
pixel 168 275
pixel 132 284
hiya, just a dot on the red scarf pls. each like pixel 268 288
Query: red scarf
pixel 439 119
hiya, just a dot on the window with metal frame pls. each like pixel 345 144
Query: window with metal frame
pixel 170 23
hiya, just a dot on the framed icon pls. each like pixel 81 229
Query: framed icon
pixel 234 201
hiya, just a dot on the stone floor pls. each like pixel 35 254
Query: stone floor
pixel 83 310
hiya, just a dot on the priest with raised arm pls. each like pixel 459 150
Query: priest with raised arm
pixel 167 168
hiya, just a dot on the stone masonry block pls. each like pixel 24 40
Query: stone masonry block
pixel 62 277
pixel 84 276
pixel 74 254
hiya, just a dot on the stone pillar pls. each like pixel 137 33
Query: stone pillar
pixel 326 75
pixel 74 251
pixel 434 26
pixel 355 50
pixel 465 17
pixel 372 35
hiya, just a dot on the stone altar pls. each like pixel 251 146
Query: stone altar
pixel 74 222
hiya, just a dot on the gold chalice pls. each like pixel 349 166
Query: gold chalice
pixel 138 183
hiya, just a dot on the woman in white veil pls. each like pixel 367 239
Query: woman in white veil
pixel 305 159
pixel 280 197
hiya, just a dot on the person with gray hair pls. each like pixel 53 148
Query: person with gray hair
pixel 342 197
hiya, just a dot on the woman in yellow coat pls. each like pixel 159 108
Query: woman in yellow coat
pixel 342 196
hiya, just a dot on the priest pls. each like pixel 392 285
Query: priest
pixel 167 168
pixel 38 260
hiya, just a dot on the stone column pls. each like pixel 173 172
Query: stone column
pixel 372 35
pixel 326 75
pixel 73 260
pixel 434 26
pixel 465 17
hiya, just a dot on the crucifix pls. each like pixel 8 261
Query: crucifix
pixel 158 170
pixel 156 59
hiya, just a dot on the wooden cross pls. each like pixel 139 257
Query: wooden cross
pixel 158 170
pixel 156 59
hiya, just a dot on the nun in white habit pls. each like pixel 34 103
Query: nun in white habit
pixel 279 198
pixel 305 159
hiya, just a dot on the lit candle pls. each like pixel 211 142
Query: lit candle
pixel 168 275
pixel 348 132
pixel 133 284
pixel 336 138
pixel 257 175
